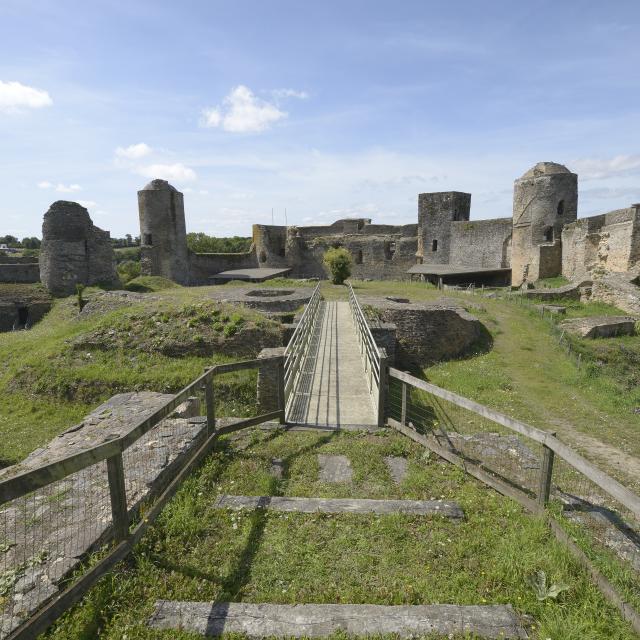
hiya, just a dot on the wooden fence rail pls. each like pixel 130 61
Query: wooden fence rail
pixel 25 483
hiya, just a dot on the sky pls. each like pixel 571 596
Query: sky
pixel 324 110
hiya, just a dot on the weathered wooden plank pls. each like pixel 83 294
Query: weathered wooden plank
pixel 342 505
pixel 248 422
pixel 322 620
pixel 603 480
pixel 118 495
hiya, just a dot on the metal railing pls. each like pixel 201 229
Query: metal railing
pixel 531 466
pixel 374 358
pixel 54 516
pixel 297 348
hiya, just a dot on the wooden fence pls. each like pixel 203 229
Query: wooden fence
pixel 123 531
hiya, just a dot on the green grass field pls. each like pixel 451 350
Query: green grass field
pixel 195 552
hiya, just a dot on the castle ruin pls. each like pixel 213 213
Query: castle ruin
pixel 542 239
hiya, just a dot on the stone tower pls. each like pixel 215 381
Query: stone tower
pixel 436 212
pixel 74 251
pixel 163 234
pixel 545 198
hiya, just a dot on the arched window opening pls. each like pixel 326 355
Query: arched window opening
pixel 147 239
pixel 434 245
pixel 560 207
pixel 357 256
pixel 262 257
pixel 548 234
pixel 281 252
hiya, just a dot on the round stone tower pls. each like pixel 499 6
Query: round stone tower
pixel 545 198
pixel 163 234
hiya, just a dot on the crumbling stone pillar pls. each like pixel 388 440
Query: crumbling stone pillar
pixel 268 380
pixel 74 251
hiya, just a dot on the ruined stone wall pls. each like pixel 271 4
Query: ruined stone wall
pixel 26 273
pixel 204 265
pixel 436 212
pixel 378 251
pixel 74 251
pixel 608 242
pixel 481 243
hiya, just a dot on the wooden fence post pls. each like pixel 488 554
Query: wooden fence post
pixel 281 397
pixel 403 415
pixel 211 405
pixel 546 473
pixel 382 389
pixel 119 512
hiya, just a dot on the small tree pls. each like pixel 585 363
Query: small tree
pixel 338 264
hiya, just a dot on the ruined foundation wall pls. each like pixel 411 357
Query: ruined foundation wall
pixel 608 242
pixel 202 266
pixel 74 251
pixel 481 243
pixel 27 273
pixel 378 251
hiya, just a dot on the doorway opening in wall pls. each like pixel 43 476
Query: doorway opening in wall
pixel 389 250
pixel 146 239
pixel 23 316
pixel 560 207
pixel 262 257
pixel 357 258
pixel 548 234
pixel 434 245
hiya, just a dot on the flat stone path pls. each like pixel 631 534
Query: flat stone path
pixel 341 505
pixel 398 468
pixel 334 468
pixel 332 388
pixel 322 620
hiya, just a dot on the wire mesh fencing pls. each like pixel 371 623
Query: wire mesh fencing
pixel 511 457
pixel 596 511
pixel 43 536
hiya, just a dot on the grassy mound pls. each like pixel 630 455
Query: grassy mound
pixel 146 284
pixel 68 363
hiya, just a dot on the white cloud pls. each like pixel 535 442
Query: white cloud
pixel 242 112
pixel 134 151
pixel 598 168
pixel 88 204
pixel 177 172
pixel 289 93
pixel 68 188
pixel 15 96
pixel 45 184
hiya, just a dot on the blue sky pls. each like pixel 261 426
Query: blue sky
pixel 328 109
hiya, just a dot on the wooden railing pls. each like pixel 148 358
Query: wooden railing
pixel 298 345
pixel 121 531
pixel 374 358
pixel 446 423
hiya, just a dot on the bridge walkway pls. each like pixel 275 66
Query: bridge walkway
pixel 332 389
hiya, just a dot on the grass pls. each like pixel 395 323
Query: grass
pixel 552 283
pixel 67 364
pixel 195 552
pixel 147 284
pixel 527 376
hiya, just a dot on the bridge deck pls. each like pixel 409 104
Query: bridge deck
pixel 332 388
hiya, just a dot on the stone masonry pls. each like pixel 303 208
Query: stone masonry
pixel 74 251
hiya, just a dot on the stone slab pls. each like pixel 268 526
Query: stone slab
pixel 334 468
pixel 341 505
pixel 398 468
pixel 277 468
pixel 600 326
pixel 322 620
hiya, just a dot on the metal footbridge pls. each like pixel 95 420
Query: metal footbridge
pixel 333 367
